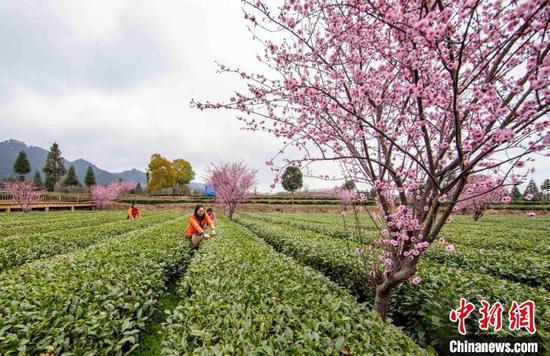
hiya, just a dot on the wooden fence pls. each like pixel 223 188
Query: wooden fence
pixel 53 197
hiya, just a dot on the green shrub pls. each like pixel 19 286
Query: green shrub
pixel 502 232
pixel 519 266
pixel 19 219
pixel 94 301
pixel 422 309
pixel 242 297
pixel 19 249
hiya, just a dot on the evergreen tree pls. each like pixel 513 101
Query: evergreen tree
pixel 37 179
pixel 54 168
pixel 545 187
pixel 71 180
pixel 21 167
pixel 532 188
pixel 349 185
pixel 516 194
pixel 372 195
pixel 147 178
pixel 90 177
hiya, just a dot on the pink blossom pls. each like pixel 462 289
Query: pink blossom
pixel 442 240
pixel 422 245
pixel 529 196
pixel 478 134
pixel 416 280
pixel 105 195
pixel 450 248
pixel 531 214
pixel 388 265
pixel 504 135
pixel 347 197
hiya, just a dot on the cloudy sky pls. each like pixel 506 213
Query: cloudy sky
pixel 111 81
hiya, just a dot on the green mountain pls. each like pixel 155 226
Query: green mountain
pixel 9 150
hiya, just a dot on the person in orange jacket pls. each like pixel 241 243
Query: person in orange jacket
pixel 198 221
pixel 211 215
pixel 133 212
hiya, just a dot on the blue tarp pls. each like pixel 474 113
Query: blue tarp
pixel 208 190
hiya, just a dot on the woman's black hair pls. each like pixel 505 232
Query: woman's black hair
pixel 197 207
pixel 209 210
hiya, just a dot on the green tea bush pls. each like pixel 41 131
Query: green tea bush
pixel 522 266
pixel 242 297
pixel 94 301
pixel 19 249
pixel 423 309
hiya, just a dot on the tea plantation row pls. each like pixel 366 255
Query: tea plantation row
pixel 422 309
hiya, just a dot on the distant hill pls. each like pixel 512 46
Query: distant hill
pixel 9 150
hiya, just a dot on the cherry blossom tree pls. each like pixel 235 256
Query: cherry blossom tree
pixel 24 192
pixel 105 195
pixel 411 97
pixel 479 193
pixel 124 186
pixel 349 198
pixel 232 183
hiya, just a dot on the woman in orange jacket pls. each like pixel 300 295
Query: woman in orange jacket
pixel 133 213
pixel 197 224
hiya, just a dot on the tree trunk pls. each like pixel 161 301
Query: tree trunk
pixel 477 215
pixel 54 176
pixel 381 302
pixel 384 290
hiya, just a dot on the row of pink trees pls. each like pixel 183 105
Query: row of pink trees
pixel 410 97
pixel 232 183
pixel 25 193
